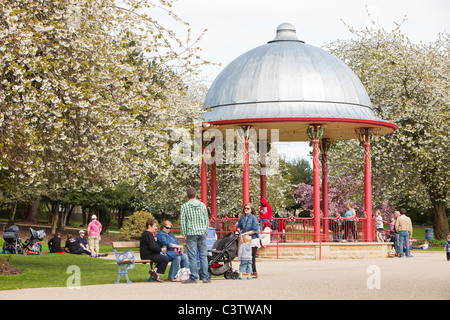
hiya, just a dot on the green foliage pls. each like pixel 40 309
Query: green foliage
pixel 5 261
pixel 135 225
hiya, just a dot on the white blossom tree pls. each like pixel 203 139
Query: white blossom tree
pixel 82 104
pixel 409 85
pixel 87 91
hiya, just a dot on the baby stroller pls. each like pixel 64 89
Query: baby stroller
pixel 33 245
pixel 222 253
pixel 12 242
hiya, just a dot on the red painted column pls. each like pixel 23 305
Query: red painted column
pixel 316 180
pixel 213 187
pixel 315 133
pixel 262 175
pixel 368 188
pixel 246 174
pixel 325 192
pixel 204 179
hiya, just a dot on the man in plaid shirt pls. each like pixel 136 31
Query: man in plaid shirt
pixel 194 226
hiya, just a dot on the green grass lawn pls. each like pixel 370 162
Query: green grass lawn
pixel 51 270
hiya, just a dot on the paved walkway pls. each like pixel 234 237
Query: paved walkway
pixel 425 276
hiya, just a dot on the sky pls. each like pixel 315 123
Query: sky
pixel 237 26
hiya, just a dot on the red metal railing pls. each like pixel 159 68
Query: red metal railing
pixel 295 229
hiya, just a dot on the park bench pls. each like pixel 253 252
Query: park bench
pixel 126 260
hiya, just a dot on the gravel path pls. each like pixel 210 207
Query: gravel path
pixel 425 276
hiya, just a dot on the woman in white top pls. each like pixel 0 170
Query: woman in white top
pixel 380 229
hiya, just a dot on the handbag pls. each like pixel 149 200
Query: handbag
pixel 183 274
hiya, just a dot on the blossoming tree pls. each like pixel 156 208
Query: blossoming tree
pixel 87 91
pixel 409 85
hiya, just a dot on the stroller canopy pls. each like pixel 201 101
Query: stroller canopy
pixel 40 234
pixel 11 234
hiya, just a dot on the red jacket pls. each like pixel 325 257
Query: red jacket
pixel 265 212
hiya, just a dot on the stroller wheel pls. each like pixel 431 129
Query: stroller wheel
pixel 235 275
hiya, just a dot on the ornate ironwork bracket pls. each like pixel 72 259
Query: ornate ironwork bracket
pixel 371 133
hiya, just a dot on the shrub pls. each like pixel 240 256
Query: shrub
pixel 5 261
pixel 135 225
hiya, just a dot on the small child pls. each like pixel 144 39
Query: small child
pixel 245 257
pixel 447 247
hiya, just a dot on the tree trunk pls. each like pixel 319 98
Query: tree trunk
pixel 33 210
pixel 54 217
pixel 63 218
pixel 13 214
pixel 84 216
pixel 441 229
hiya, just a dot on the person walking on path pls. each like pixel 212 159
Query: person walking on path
pixel 403 226
pixel 447 247
pixel 94 230
pixel 194 226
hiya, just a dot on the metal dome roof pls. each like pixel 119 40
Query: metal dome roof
pixel 287 84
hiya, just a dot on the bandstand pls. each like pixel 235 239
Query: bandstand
pixel 306 94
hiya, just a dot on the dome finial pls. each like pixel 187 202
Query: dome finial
pixel 286 32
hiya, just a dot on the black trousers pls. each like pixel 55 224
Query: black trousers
pixel 254 249
pixel 161 262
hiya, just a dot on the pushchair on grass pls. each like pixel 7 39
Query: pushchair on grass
pixel 33 245
pixel 12 243
pixel 222 254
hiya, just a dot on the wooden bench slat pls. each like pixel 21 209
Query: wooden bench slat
pixel 124 261
pixel 126 244
pixel 143 261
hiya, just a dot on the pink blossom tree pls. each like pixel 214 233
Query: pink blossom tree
pixel 340 191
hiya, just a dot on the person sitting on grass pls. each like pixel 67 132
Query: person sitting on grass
pixel 74 247
pixel 54 244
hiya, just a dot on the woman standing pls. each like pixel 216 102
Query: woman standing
pixel 349 223
pixel 248 224
pixel 94 230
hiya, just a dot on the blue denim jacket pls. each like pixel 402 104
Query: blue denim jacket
pixel 249 223
pixel 165 239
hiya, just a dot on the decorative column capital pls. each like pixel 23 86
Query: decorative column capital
pixel 315 132
pixel 325 145
pixel 367 135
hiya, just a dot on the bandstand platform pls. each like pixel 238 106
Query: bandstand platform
pixel 325 250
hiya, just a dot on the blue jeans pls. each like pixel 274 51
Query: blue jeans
pixel 403 236
pixel 197 244
pixel 396 242
pixel 181 258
